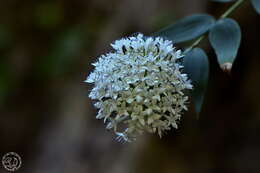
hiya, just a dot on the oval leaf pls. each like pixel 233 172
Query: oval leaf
pixel 225 38
pixel 196 65
pixel 256 4
pixel 187 28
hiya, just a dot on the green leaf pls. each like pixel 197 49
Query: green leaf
pixel 256 4
pixel 225 38
pixel 187 28
pixel 196 65
pixel 222 0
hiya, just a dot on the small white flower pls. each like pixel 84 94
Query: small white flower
pixel 139 86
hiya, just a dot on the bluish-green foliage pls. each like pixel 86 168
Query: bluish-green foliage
pixel 188 28
pixel 256 4
pixel 196 65
pixel 224 36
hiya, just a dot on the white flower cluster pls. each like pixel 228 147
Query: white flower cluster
pixel 139 86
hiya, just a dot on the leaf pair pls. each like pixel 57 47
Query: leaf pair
pixel 225 38
pixel 225 34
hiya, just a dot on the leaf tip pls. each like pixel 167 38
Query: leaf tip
pixel 226 67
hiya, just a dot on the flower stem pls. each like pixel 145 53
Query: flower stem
pixel 224 15
pixel 231 9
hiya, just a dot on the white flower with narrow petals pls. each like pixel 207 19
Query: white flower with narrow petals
pixel 139 87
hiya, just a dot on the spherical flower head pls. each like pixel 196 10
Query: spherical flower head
pixel 139 87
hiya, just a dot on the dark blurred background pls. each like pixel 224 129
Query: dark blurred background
pixel 46 51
